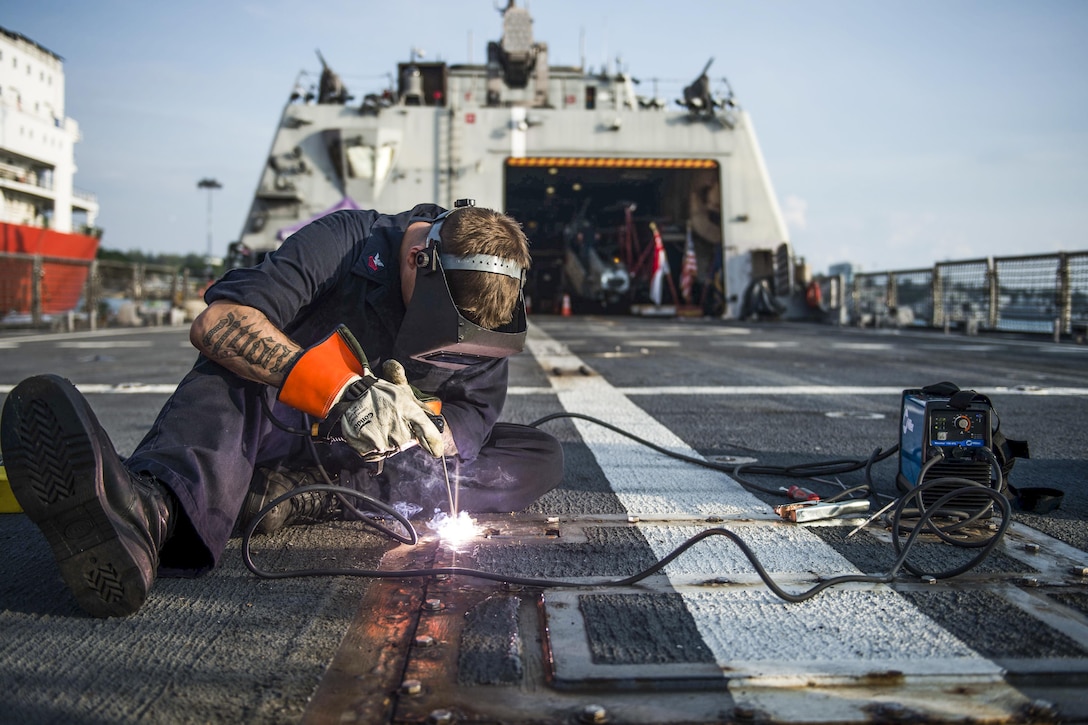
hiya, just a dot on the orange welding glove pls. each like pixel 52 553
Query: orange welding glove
pixel 318 379
pixel 378 418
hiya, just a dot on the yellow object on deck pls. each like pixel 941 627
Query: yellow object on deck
pixel 8 504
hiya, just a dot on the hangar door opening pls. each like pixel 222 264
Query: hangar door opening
pixel 591 222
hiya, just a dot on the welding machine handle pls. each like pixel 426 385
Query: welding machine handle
pixel 957 398
pixel 945 389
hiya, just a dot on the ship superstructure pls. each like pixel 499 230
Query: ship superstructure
pixel 593 170
pixel 48 233
pixel 37 141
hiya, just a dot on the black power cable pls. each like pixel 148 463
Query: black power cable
pixel 903 551
pixel 800 470
pixel 923 523
pixel 961 519
pixel 341 493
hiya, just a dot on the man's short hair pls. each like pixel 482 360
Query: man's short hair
pixel 487 299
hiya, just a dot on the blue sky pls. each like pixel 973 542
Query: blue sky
pixel 896 133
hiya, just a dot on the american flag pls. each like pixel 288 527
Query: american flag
pixel 687 269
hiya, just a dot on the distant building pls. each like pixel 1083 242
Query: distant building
pixel 37 141
pixel 846 269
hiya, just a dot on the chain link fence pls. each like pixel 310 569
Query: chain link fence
pixel 1043 293
pixel 67 294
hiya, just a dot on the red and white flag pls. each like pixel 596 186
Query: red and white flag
pixel 660 269
pixel 687 269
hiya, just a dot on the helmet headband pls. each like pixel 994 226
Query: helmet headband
pixel 435 331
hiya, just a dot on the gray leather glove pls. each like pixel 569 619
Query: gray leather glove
pixel 387 418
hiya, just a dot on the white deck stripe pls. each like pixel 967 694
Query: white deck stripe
pixel 647 482
pixel 770 641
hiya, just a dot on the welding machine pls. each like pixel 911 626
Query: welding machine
pixel 958 426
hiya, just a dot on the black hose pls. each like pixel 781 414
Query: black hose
pixel 410 537
pixel 986 545
pixel 902 551
pixel 553 583
pixel 798 470
pixel 923 523
pixel 341 493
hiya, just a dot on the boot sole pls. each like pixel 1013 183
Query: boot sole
pixel 54 465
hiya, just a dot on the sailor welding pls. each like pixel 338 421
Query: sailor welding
pixel 370 349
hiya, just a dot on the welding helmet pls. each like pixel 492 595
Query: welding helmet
pixel 434 330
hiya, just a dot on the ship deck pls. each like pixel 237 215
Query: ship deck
pixel 702 640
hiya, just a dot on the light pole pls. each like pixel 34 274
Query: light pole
pixel 211 185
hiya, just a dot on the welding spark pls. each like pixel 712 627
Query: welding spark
pixel 454 529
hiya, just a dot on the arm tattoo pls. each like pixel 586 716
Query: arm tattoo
pixel 231 337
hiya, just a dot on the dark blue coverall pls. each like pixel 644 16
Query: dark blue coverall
pixel 213 433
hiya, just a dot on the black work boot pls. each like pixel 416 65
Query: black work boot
pixel 105 524
pixel 311 507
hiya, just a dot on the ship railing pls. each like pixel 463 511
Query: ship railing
pixel 1042 294
pixel 88 196
pixel 1038 293
pixel 63 294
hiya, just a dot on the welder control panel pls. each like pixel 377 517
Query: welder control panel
pixel 968 428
